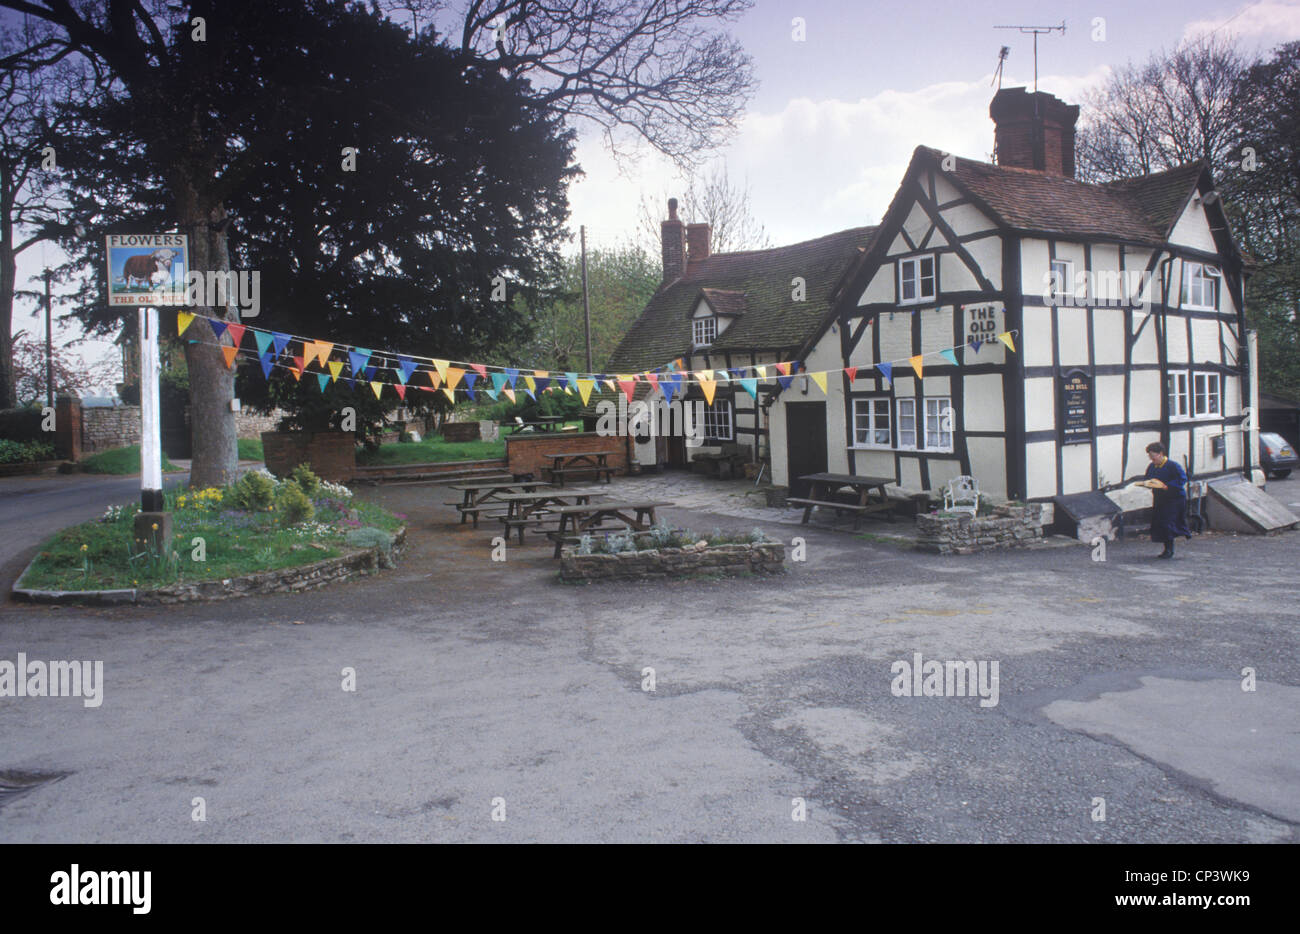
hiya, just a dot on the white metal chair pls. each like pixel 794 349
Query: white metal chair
pixel 962 495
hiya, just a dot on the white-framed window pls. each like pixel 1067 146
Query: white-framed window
pixel 705 331
pixel 871 428
pixel 915 279
pixel 1200 286
pixel 1179 398
pixel 1207 395
pixel 1060 281
pixel 906 409
pixel 938 424
pixel 717 420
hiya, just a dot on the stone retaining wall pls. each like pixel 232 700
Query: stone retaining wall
pixel 1008 527
pixel 765 558
pixel 107 427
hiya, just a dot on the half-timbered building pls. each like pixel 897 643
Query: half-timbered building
pixel 1123 309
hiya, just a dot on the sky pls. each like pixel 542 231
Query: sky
pixel 837 114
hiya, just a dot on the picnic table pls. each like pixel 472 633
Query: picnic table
pixel 476 494
pixel 526 509
pixel 580 462
pixel 636 515
pixel 823 487
pixel 541 423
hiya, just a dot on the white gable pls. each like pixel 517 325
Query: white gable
pixel 1193 229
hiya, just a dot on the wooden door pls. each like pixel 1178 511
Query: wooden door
pixel 805 442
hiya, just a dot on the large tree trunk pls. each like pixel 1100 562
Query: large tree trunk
pixel 212 384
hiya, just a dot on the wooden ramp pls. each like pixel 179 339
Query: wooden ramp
pixel 1240 506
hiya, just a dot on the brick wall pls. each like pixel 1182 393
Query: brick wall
pixel 528 453
pixel 331 454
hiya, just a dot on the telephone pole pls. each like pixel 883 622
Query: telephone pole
pixel 586 308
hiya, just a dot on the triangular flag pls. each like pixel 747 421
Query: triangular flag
pixel 541 381
pixel 1005 337
pixel 653 380
pixel 479 368
pixel 512 375
pixel 441 367
pixel 267 363
pixel 401 390
pixel 377 388
pixel 529 385
pixel 322 380
pixel 851 372
pixel 323 351
pixel 708 387
pixel 470 380
pixel 670 383
pixel 750 386
pixel 434 379
pixel 263 340
pixel 886 370
pixel 367 373
pixel 702 375
pixel 917 362
pixel 784 381
pixel 281 341
pixel 949 355
pixel 760 372
pixel 452 376
pixel 492 393
pixel 510 393
pixel 296 369
pixel 612 384
pixel 218 326
pixel 584 389
pixel 975 344
pixel 183 320
pixel 498 380
pixel 571 380
pixel 783 369
pixel 236 332
pixel 357 360
pixel 628 385
pixel 820 379
pixel 230 353
pixel 335 367
pixel 450 394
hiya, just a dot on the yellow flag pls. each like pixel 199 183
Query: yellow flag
pixel 917 362
pixel 704 374
pixel 510 393
pixel 378 389
pixel 452 376
pixel 450 394
pixel 530 383
pixel 760 372
pixel 584 389
pixel 441 367
pixel 183 320
pixel 820 379
pixel 708 386
pixel 336 367
pixel 1005 337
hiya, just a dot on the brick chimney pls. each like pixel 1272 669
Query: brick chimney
pixel 1034 131
pixel 697 242
pixel 672 232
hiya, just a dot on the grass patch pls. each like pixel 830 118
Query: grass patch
pixel 250 449
pixel 120 461
pixel 101 555
pixel 430 450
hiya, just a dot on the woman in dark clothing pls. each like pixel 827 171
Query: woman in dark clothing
pixel 1169 503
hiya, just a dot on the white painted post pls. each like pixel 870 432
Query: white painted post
pixel 1251 454
pixel 151 498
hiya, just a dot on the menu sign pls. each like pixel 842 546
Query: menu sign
pixel 1076 407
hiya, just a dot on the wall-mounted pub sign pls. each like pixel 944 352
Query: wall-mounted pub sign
pixel 1076 407
pixel 983 322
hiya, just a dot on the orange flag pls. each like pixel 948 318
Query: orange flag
pixel 917 362
pixel 230 354
pixel 783 369
pixel 453 376
pixel 708 387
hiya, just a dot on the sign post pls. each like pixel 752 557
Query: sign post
pixel 148 271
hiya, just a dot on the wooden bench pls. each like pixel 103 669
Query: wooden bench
pixel 534 522
pixel 475 511
pixel 602 473
pixel 725 464
pixel 839 507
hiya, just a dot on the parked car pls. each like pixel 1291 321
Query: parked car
pixel 1276 455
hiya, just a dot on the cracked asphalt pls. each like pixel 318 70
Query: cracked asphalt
pixel 487 686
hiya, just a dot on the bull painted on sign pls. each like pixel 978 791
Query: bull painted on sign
pixel 152 270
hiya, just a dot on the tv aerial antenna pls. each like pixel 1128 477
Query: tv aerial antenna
pixel 1036 31
pixel 1002 60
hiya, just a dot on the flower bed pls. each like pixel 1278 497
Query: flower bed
pixel 256 525
pixel 664 552
pixel 1009 526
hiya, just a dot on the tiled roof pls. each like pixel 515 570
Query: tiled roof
pixel 1140 209
pixel 724 302
pixel 763 278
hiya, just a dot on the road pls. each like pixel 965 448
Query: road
pixel 488 689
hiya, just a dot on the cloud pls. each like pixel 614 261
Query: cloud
pixel 1275 21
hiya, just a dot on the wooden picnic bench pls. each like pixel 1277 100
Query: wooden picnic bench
pixel 822 489
pixel 568 462
pixel 532 510
pixel 476 495
pixel 578 520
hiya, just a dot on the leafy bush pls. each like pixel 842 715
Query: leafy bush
pixel 293 505
pixel 307 481
pixel 24 452
pixel 21 424
pixel 370 537
pixel 254 492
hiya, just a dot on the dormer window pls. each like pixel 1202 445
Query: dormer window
pixel 915 279
pixel 705 331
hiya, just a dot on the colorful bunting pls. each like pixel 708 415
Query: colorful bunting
pixel 480 369
pixel 708 387
pixel 296 369
pixel 452 377
pixel 335 367
pixel 750 385
pixel 401 390
pixel 267 363
pixel 584 388
pixel 441 367
pixel 183 320
pixel 357 360
pixel 950 355
pixel 917 362
pixel 1005 337
pixel 230 353
pixel 976 343
pixel 236 332
pixel 820 379
pixel 511 376
pixel 263 340
pixel 887 371
pixel 851 372
pixel 322 380
pixel 218 326
pixel 628 385
pixel 377 388
pixel 281 341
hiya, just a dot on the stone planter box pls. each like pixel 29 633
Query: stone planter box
pixel 470 431
pixel 1008 527
pixel 332 455
pixel 656 564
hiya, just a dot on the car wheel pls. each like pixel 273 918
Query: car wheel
pixel 1281 474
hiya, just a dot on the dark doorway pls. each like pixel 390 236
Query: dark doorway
pixel 805 442
pixel 676 454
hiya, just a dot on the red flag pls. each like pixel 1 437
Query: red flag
pixel 236 332
pixel 852 371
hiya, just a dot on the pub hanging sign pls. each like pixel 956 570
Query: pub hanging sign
pixel 1076 407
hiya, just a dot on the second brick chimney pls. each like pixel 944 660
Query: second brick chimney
pixel 697 242
pixel 672 234
pixel 1034 131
